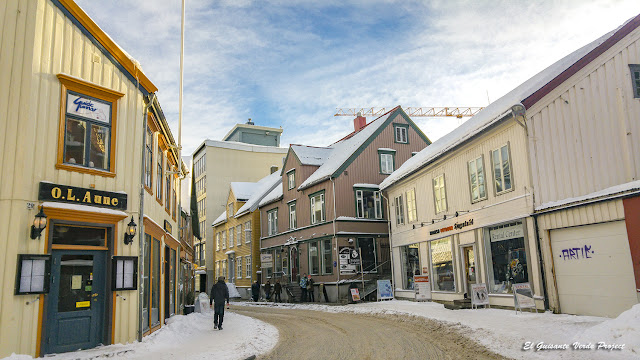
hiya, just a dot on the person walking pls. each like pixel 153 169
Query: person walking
pixel 219 293
pixel 310 289
pixel 303 287
pixel 255 291
pixel 277 289
pixel 267 290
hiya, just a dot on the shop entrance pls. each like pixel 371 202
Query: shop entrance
pixel 469 267
pixel 76 302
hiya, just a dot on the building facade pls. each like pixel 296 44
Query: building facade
pixel 215 165
pixel 329 203
pixel 73 279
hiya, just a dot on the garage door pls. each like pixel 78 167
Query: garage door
pixel 593 267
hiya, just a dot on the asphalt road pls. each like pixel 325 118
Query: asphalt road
pixel 306 334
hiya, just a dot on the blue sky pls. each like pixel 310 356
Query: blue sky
pixel 291 63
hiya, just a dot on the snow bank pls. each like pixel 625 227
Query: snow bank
pixel 625 329
pixel 233 291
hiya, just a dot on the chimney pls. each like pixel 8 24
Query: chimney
pixel 250 122
pixel 359 122
pixel 273 169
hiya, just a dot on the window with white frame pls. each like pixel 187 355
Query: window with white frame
pixel 247 232
pixel 412 213
pixel 401 132
pixel 314 258
pixel 386 162
pixel 231 237
pixel 148 159
pixel 224 239
pixel 159 174
pixel 440 195
pixel 239 235
pixel 399 204
pixel 247 265
pixel 291 179
pixel 635 79
pixel 230 210
pixel 501 169
pixel 317 207
pixel 218 269
pixel 477 181
pixel 368 204
pixel 224 268
pixel 239 267
pixel 292 215
pixel 217 241
pixel 272 222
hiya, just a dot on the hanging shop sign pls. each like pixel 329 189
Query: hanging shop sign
pixel 82 196
pixel 456 226
pixel 266 260
pixel 422 287
pixel 479 295
pixel 167 227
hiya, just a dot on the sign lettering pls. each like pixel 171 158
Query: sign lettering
pixel 82 196
pixel 577 253
pixel 456 226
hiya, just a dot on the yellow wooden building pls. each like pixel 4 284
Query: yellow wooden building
pixel 237 233
pixel 82 134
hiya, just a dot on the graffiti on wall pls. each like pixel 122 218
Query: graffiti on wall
pixel 577 253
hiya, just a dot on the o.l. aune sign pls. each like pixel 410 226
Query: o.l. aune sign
pixel 81 196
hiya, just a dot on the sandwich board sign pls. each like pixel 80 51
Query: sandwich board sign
pixel 385 292
pixel 422 287
pixel 523 297
pixel 355 294
pixel 479 295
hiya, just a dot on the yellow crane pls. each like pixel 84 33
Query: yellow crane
pixel 458 112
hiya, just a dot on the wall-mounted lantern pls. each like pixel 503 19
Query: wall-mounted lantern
pixel 130 232
pixel 39 223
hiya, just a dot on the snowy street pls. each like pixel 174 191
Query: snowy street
pixel 386 329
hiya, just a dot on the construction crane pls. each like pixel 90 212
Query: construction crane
pixel 458 112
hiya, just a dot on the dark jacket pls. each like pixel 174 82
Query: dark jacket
pixel 219 293
pixel 255 289
pixel 267 288
pixel 277 288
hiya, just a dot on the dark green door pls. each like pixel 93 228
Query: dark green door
pixel 76 301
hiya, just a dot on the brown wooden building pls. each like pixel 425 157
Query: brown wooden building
pixel 329 204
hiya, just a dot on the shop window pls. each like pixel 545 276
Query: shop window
pixel 272 222
pixel 476 179
pixel 155 287
pixel 368 204
pixel 508 255
pixel 291 179
pixel 635 79
pixel 440 194
pixel 33 274
pixel 64 234
pixel 501 161
pixel 314 258
pixel 278 262
pixel 368 256
pixel 442 263
pixel 87 128
pixel 410 261
pixel 399 205
pixel 412 213
pixel 327 257
pixel 125 273
pixel 146 279
pixel 292 215
pixel 317 207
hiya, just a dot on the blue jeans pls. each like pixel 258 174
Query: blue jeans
pixel 218 314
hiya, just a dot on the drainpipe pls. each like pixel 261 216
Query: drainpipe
pixel 393 278
pixel 333 183
pixel 141 255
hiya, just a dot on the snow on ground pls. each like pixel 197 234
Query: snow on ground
pixel 506 333
pixel 189 337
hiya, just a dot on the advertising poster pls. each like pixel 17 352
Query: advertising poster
pixel 479 294
pixel 355 294
pixel 348 260
pixel 523 297
pixel 422 287
pixel 385 292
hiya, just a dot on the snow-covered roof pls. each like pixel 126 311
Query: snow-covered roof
pixel 372 186
pixel 220 219
pixel 610 191
pixel 272 196
pixel 343 150
pixel 243 190
pixel 311 155
pixel 262 188
pixel 489 115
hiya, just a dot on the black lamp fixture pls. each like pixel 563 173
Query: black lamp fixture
pixel 130 232
pixel 39 223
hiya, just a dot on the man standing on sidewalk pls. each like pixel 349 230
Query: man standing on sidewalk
pixel 219 293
